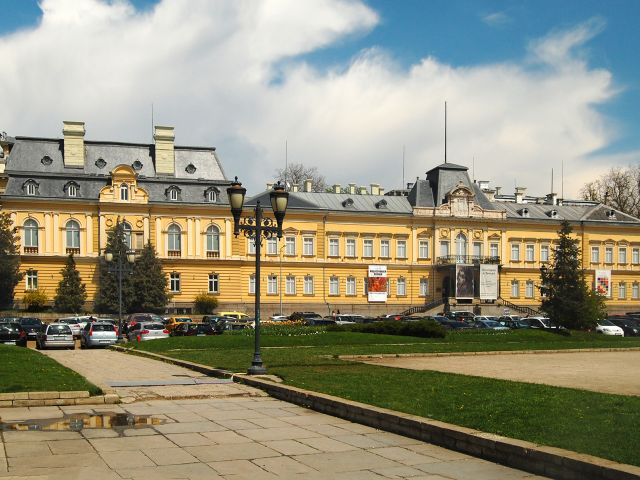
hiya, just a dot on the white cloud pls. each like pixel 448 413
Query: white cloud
pixel 210 69
pixel 496 19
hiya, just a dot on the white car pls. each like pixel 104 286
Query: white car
pixel 607 328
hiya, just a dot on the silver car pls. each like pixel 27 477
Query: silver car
pixel 143 331
pixel 98 334
pixel 55 335
pixel 75 323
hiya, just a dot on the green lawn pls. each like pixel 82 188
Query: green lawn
pixel 25 370
pixel 598 424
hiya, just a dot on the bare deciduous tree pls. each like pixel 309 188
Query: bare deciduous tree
pixel 297 173
pixel 619 188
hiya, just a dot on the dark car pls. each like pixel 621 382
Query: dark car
pixel 629 325
pixel 194 330
pixel 460 316
pixel 31 325
pixel 12 333
pixel 450 324
pixel 218 323
pixel 309 318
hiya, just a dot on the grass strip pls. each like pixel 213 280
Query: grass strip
pixel 25 370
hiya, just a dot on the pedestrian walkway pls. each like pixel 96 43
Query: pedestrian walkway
pixel 235 433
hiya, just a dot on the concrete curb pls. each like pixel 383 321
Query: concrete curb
pixel 538 459
pixel 43 399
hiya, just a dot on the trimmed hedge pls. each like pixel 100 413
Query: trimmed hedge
pixel 421 328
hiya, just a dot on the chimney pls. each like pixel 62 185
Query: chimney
pixel 552 198
pixel 336 188
pixel 381 191
pixel 352 188
pixel 165 156
pixel 498 190
pixel 483 184
pixel 308 184
pixel 294 187
pixel 73 144
pixel 375 189
pixel 520 194
pixel 269 185
pixel 490 194
pixel 363 191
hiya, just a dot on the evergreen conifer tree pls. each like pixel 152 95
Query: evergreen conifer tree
pixel 106 299
pixel 148 284
pixel 10 273
pixel 71 292
pixel 567 299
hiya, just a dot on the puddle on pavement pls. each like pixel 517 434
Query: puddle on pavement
pixel 77 422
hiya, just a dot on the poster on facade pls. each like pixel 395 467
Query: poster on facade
pixel 488 282
pixel 377 283
pixel 603 282
pixel 464 281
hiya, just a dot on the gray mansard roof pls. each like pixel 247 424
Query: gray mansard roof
pixel 196 169
pixel 573 213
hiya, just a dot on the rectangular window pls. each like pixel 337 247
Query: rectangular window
pixel 350 247
pixel 251 246
pixel 493 250
pixel 515 252
pixel 544 253
pixel 529 289
pixel 307 246
pixel 290 245
pixel 32 280
pixel 174 282
pixel 622 255
pixel 334 247
pixel 635 256
pixel 272 285
pixel 308 285
pixel 351 286
pixel 272 246
pixel 290 285
pixel 424 287
pixel 213 283
pixel 401 249
pixel 477 249
pixel 401 287
pixel 608 254
pixel 367 247
pixel 635 291
pixel 423 249
pixel 384 248
pixel 334 286
pixel 515 289
pixel 622 291
pixel 529 252
pixel 444 248
pixel 252 285
pixel 595 254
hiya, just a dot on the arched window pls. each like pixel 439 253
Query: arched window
pixel 211 195
pixel 30 236
pixel 174 240
pixel 73 236
pixel 126 228
pixel 124 192
pixel 213 241
pixel 461 248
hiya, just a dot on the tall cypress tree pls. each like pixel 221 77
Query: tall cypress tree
pixel 71 292
pixel 567 298
pixel 106 299
pixel 148 284
pixel 10 273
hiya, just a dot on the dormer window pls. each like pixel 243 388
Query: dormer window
pixel 211 195
pixel 524 212
pixel 124 192
pixel 101 163
pixel 72 189
pixel 553 213
pixel 381 204
pixel 137 165
pixel 30 187
pixel 46 160
pixel 348 203
pixel 611 214
pixel 190 169
pixel 173 193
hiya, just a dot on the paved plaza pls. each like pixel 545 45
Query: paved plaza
pixel 235 432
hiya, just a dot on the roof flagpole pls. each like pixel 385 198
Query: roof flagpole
pixel 445 132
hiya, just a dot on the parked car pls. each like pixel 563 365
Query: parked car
pixel 608 328
pixel 483 322
pixel 236 315
pixel 143 331
pixel 55 335
pixel 31 325
pixel 345 319
pixel 629 325
pixel 194 330
pixel 175 321
pixel 307 317
pixel 141 317
pixel 98 334
pixel 74 324
pixel 218 323
pixel 12 333
pixel 460 315
pixel 279 318
pixel 450 324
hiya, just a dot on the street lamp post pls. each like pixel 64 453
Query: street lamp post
pixel 257 227
pixel 123 264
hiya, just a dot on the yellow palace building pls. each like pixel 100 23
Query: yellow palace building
pixel 353 249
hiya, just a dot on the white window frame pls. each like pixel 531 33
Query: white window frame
pixel 212 239
pixel 423 248
pixel 622 291
pixel 401 287
pixel 308 285
pixel 401 249
pixel 251 246
pixel 529 289
pixel 424 287
pixel 31 189
pixel 622 255
pixel 477 250
pixel 252 284
pixel 530 252
pixel 213 283
pixel 350 248
pixel 635 291
pixel 124 192
pixel 290 245
pixel 72 234
pixel 334 247
pixel 350 286
pixel 367 248
pixel 290 285
pixel 608 254
pixel 595 254
pixel 31 279
pixel 334 286
pixel 31 230
pixel 173 194
pixel 444 248
pixel 494 249
pixel 174 238
pixel 544 253
pixel 384 247
pixel 212 196
pixel 72 190
pixel 272 285
pixel 174 282
pixel 635 255
pixel 308 247
pixel 515 252
pixel 515 289
pixel 272 246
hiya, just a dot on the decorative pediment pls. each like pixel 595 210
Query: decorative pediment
pixel 124 187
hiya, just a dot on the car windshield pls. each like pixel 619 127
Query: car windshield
pixel 606 323
pixel 491 323
pixel 182 319
pixel 59 329
pixel 30 321
pixel 153 326
pixel 103 327
pixel 70 321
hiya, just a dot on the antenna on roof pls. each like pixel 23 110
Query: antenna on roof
pixel 151 121
pixel 286 160
pixel 445 132
pixel 402 185
pixel 473 169
pixel 562 180
pixel 552 180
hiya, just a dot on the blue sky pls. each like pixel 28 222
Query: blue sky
pixel 531 85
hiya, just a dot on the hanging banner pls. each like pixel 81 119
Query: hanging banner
pixel 464 281
pixel 377 283
pixel 488 282
pixel 603 282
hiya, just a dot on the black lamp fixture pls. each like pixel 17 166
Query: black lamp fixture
pixel 256 228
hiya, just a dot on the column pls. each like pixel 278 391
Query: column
pixel 89 235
